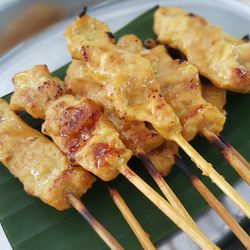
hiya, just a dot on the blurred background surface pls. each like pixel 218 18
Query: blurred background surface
pixel 21 19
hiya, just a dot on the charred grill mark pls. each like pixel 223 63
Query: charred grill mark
pixel 51 85
pixel 192 84
pixel 240 73
pixel 112 191
pixel 128 173
pixel 83 12
pixel 149 166
pixel 245 38
pixel 192 113
pixel 219 145
pixel 110 35
pixel 84 54
pixel 182 166
pixel 149 43
pixel 33 139
pixel 77 125
pixel 191 14
pixel 102 151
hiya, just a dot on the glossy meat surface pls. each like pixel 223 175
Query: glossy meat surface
pixel 42 168
pixel 214 95
pixel 134 134
pixel 181 87
pixel 163 157
pixel 129 82
pixel 224 60
pixel 35 89
pixel 81 131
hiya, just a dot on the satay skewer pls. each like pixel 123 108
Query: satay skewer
pixel 78 127
pixel 51 181
pixel 156 107
pixel 141 235
pixel 214 203
pixel 90 41
pixel 78 83
pixel 232 156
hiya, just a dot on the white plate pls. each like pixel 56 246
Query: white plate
pixel 50 48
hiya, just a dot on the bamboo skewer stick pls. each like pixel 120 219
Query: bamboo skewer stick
pixel 194 232
pixel 208 170
pixel 141 235
pixel 166 190
pixel 237 161
pixel 214 203
pixel 97 227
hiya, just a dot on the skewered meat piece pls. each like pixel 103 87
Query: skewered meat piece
pixel 36 161
pixel 77 126
pixel 128 79
pixel 180 86
pixel 135 135
pixel 224 60
pixel 214 95
pixel 35 90
pixel 80 129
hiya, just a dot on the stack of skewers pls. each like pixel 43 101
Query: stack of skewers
pixel 123 99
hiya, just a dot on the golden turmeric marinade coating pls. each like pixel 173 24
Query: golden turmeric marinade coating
pixel 214 95
pixel 35 90
pixel 224 60
pixel 134 134
pixel 180 86
pixel 128 78
pixel 80 129
pixel 77 126
pixel 37 162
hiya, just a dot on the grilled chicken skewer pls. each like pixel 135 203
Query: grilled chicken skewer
pixel 223 59
pixel 129 82
pixel 44 170
pixel 180 86
pixel 80 130
pixel 79 83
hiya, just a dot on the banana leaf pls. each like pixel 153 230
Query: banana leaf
pixel 29 224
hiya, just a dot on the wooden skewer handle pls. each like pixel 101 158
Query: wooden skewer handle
pixel 98 228
pixel 208 170
pixel 214 203
pixel 194 232
pixel 240 165
pixel 141 235
pixel 166 190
